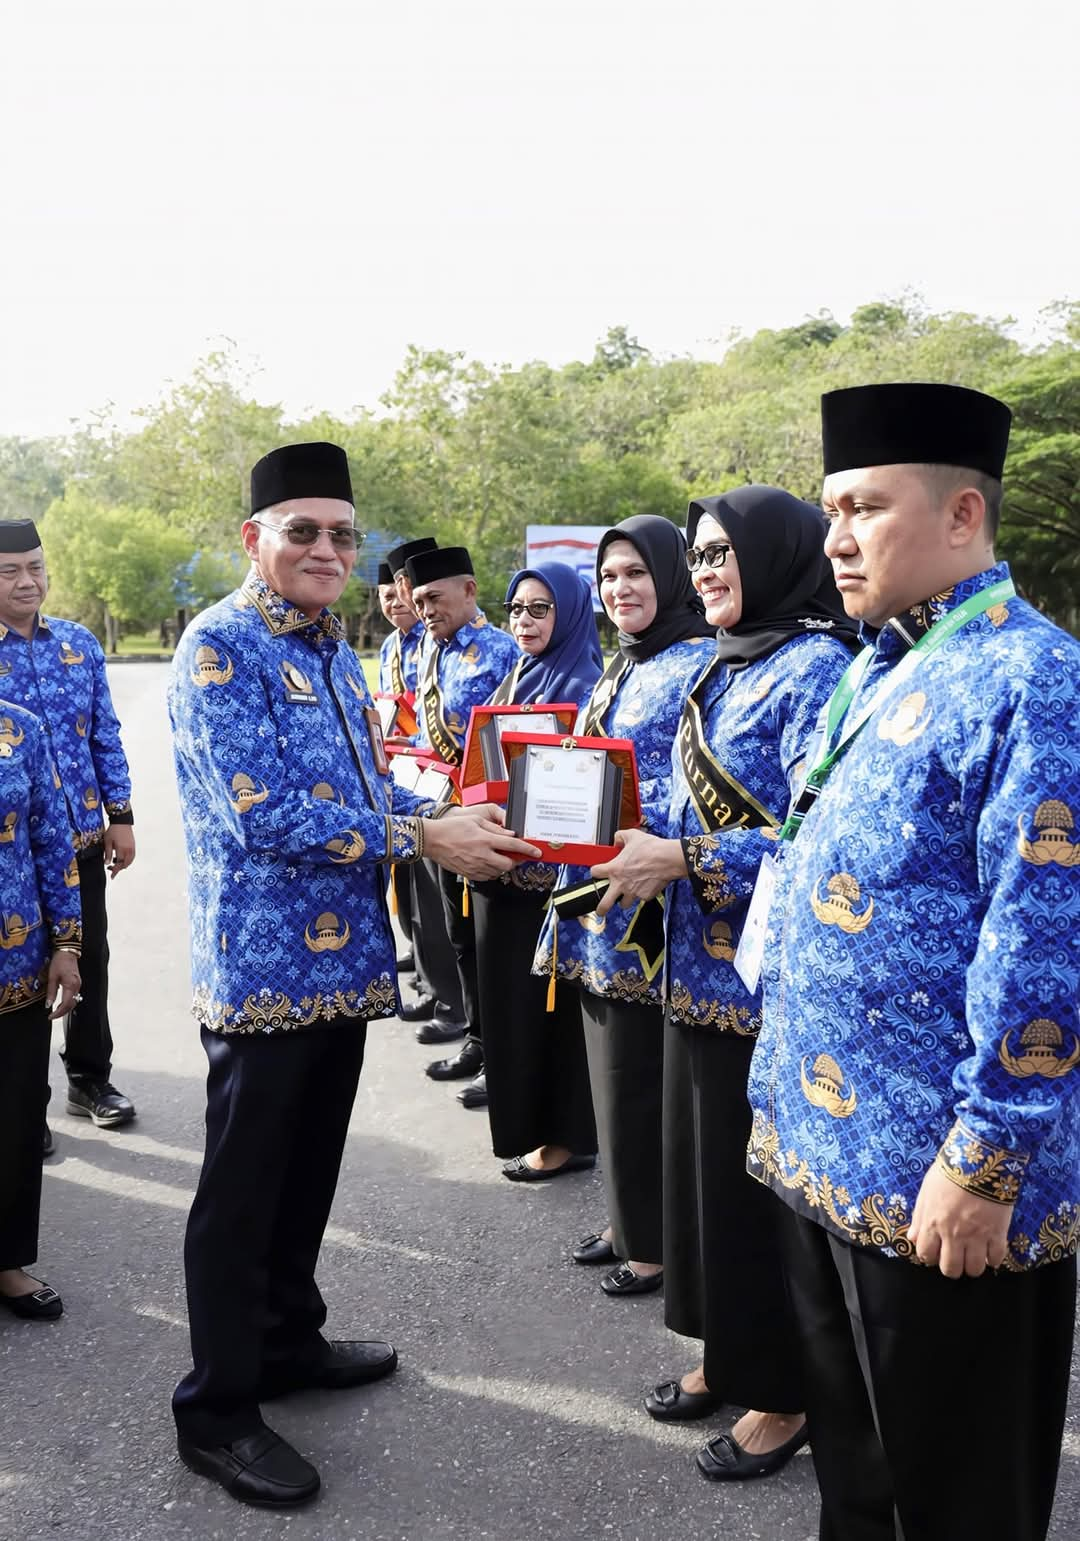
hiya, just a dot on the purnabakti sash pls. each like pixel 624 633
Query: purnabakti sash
pixel 439 735
pixel 720 801
pixel 397 676
pixel 604 692
pixel 504 696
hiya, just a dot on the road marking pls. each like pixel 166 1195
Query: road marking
pixel 156 1314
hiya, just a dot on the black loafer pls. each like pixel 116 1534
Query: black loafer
pixel 519 1171
pixel 475 1094
pixel 407 964
pixel 342 1364
pixel 438 1030
pixel 669 1402
pixel 466 1063
pixel 418 1011
pixel 44 1305
pixel 723 1459
pixel 48 1144
pixel 624 1281
pixel 594 1249
pixel 101 1103
pixel 260 1469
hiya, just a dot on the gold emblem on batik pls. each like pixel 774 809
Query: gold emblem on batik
pixel 69 655
pixel 907 720
pixel 357 689
pixel 1041 1042
pixel 209 669
pixel 330 934
pixel 81 724
pixel 826 1087
pixel 329 794
pixel 7 833
pixel 14 930
pixel 592 923
pixel 455 723
pixel 350 847
pixel 9 734
pixel 471 656
pixel 295 679
pixel 716 940
pixel 71 874
pixel 1054 822
pixel 839 908
pixel 246 794
pixel 997 615
pixel 756 692
pixel 5 667
pixel 90 800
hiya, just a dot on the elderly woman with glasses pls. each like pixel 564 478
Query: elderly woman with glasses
pixel 537 1078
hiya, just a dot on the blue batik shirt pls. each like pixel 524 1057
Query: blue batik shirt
pixel 39 876
pixel 456 675
pixel 59 675
pixel 757 721
pixel 399 660
pixel 286 816
pixel 593 950
pixel 921 991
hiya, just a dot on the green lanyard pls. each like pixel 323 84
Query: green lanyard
pixel 841 698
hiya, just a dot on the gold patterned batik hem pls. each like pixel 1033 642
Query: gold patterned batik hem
pixel 986 1170
pixel 272 1011
pixel 22 992
pixel 87 839
pixel 709 880
pixel 531 877
pixel 404 838
pixel 623 985
pixel 684 1009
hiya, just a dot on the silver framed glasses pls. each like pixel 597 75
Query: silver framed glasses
pixel 345 537
pixel 714 556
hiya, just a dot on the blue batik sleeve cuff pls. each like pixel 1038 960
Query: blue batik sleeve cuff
pixel 987 1170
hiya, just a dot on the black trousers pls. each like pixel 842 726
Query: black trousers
pixel 435 960
pixel 461 930
pixel 88 1044
pixel 936 1406
pixel 402 890
pixel 277 1112
pixel 24 1078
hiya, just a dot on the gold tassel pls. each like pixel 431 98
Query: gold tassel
pixel 465 898
pixel 554 955
pixel 393 888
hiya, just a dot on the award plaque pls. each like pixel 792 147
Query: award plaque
pixel 396 715
pixel 484 772
pixel 569 795
pixel 417 770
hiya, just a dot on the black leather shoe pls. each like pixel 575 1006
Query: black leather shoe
pixel 418 1011
pixel 723 1459
pixel 624 1281
pixel 475 1094
pixel 48 1144
pixel 407 964
pixel 440 1031
pixel 260 1469
pixel 44 1305
pixel 519 1171
pixel 594 1249
pixel 100 1102
pixel 466 1063
pixel 341 1364
pixel 669 1402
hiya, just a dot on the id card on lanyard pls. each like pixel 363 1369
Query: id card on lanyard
pixel 750 952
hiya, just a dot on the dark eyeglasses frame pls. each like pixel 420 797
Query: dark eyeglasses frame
pixel 713 555
pixel 303 534
pixel 537 608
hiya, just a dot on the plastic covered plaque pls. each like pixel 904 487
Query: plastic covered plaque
pixel 396 714
pixel 483 763
pixel 569 795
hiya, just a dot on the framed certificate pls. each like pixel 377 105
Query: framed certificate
pixel 569 795
pixel 484 771
pixel 395 714
pixel 419 771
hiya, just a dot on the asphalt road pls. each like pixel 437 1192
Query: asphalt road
pixel 516 1412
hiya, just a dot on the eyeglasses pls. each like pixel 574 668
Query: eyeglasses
pixel 712 556
pixel 537 608
pixel 344 536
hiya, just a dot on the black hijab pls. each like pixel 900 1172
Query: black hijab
pixel 679 612
pixel 787 582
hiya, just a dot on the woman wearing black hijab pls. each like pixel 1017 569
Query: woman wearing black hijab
pixel 782 644
pixel 617 960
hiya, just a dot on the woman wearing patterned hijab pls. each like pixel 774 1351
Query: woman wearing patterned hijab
pixel 782 645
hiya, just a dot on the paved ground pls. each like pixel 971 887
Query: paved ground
pixel 515 1414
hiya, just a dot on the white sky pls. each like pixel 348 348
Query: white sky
pixel 327 182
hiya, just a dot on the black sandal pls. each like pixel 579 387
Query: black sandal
pixel 723 1459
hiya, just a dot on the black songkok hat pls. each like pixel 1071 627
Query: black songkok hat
pixel 948 425
pixel 399 555
pixel 383 575
pixel 18 535
pixel 317 470
pixel 446 562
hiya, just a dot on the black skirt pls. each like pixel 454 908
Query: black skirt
pixel 24 1077
pixel 625 1046
pixel 723 1267
pixel 534 1060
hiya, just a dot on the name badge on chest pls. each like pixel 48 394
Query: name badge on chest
pixel 298 691
pixel 751 949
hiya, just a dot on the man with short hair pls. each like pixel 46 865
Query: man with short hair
pixel 56 669
pixel 399 654
pixel 916 1086
pixel 466 660
pixel 289 815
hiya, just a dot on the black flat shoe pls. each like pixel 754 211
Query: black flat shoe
pixel 466 1063
pixel 594 1249
pixel 624 1281
pixel 417 1011
pixel 723 1459
pixel 342 1364
pixel 48 1144
pixel 407 964
pixel 44 1305
pixel 260 1469
pixel 519 1171
pixel 440 1031
pixel 670 1403
pixel 475 1094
